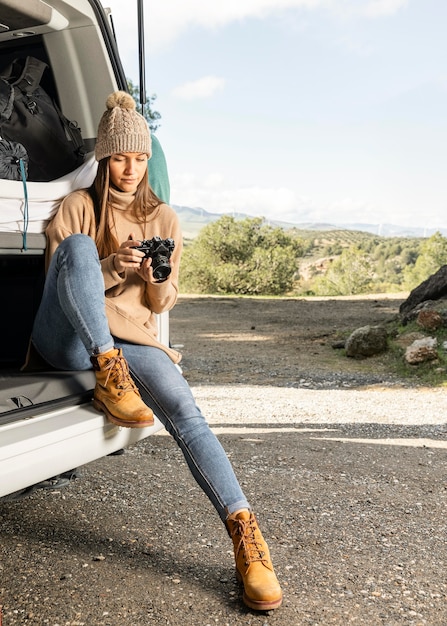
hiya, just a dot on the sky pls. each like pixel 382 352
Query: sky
pixel 329 111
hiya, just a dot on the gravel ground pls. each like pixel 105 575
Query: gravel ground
pixel 348 484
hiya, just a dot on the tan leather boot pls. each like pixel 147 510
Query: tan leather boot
pixel 253 565
pixel 116 394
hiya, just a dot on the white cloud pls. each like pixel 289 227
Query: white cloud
pixel 213 194
pixel 379 8
pixel 171 17
pixel 201 88
pixel 167 20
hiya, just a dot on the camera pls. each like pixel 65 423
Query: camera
pixel 159 250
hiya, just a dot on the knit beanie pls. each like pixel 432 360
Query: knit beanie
pixel 122 128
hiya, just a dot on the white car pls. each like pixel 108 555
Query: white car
pixel 47 423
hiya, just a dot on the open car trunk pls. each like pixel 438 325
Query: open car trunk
pixel 47 423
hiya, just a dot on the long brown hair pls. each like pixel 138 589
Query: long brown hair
pixel 145 202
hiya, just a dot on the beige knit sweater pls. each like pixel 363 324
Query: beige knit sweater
pixel 131 303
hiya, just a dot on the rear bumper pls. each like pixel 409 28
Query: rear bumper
pixel 37 448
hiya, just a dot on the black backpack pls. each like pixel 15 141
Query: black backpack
pixel 29 116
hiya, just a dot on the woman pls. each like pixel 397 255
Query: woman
pixel 99 306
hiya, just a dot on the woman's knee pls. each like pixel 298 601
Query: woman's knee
pixel 78 244
pixel 76 251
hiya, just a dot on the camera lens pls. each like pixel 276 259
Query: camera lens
pixel 161 268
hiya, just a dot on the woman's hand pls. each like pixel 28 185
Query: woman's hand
pixel 145 272
pixel 127 256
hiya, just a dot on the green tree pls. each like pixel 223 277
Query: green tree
pixel 408 256
pixel 432 255
pixel 351 273
pixel 148 112
pixel 241 256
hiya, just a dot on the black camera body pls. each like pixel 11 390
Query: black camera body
pixel 159 250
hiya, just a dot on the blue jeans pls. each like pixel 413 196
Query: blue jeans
pixel 71 325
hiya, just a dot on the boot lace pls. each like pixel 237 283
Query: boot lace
pixel 251 548
pixel 118 370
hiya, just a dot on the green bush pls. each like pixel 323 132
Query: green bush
pixel 432 255
pixel 242 257
pixel 351 273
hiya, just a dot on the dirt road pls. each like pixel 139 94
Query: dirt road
pixel 350 491
pixel 276 342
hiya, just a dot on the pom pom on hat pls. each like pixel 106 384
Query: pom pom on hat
pixel 122 128
pixel 120 99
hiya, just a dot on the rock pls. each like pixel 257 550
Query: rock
pixel 429 319
pixel 440 306
pixel 338 345
pixel 434 288
pixel 366 341
pixel 405 340
pixel 422 350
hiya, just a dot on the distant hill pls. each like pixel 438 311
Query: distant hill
pixel 192 220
